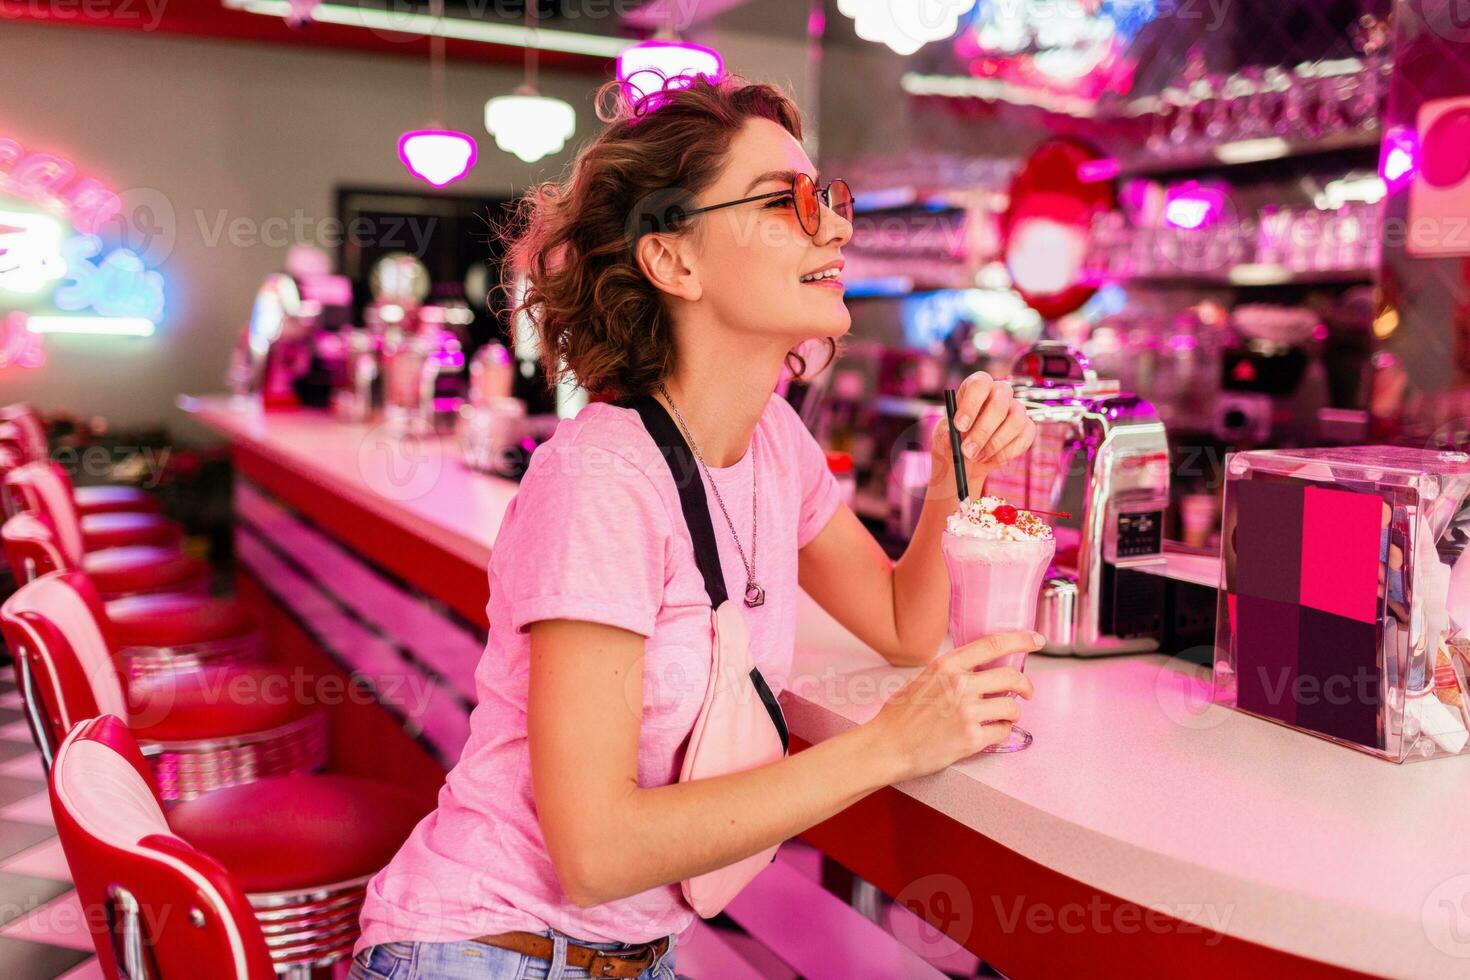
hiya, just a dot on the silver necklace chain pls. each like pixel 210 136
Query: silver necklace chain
pixel 754 594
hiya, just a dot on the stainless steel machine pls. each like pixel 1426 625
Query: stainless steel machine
pixel 1103 455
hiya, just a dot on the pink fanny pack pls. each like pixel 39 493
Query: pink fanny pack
pixel 740 725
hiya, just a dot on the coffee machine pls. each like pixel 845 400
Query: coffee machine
pixel 1101 454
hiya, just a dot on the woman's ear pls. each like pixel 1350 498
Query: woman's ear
pixel 665 262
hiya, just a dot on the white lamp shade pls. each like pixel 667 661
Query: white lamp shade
pixel 905 25
pixel 1046 257
pixel 530 126
pixel 649 67
pixel 438 156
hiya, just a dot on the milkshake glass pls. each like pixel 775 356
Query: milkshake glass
pixel 997 558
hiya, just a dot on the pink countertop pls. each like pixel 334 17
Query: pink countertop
pixel 1135 784
pixel 418 485
pixel 1138 786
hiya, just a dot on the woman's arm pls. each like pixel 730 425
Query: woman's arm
pixel 610 838
pixel 901 609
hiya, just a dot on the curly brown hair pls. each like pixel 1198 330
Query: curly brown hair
pixel 596 315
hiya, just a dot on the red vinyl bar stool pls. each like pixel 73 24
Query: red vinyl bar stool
pixel 30 438
pixel 143 524
pixel 12 446
pixel 163 631
pixel 12 457
pixel 173 631
pixel 117 572
pixel 9 460
pixel 31 432
pixel 202 729
pixel 45 488
pixel 156 907
pixel 259 880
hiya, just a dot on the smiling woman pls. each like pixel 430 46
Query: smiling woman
pixel 626 768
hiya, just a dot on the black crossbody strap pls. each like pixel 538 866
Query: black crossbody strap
pixel 692 500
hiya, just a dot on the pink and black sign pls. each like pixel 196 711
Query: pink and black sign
pixel 1310 595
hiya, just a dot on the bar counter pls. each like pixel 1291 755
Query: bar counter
pixel 1144 832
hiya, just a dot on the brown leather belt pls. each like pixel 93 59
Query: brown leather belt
pixel 597 962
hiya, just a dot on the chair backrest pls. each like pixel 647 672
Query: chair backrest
pixel 30 547
pixel 12 440
pixel 42 488
pixel 54 629
pixel 32 430
pixel 11 457
pixel 157 908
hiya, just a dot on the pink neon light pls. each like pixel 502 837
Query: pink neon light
pixel 1400 157
pixel 1095 171
pixel 660 66
pixel 437 156
pixel 1191 206
pixel 19 347
pixel 51 181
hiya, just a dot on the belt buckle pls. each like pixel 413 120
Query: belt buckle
pixel 611 957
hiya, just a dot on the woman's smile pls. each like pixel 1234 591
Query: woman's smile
pixel 829 275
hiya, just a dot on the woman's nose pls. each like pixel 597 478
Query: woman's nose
pixel 833 227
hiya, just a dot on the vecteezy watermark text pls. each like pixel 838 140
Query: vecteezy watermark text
pixel 408 233
pixel 100 462
pixel 1099 916
pixel 148 12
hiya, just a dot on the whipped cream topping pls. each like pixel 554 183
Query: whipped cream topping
pixel 992 519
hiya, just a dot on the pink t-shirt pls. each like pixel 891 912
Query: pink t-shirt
pixel 596 533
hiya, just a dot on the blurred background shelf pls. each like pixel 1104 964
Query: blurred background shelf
pixel 1244 153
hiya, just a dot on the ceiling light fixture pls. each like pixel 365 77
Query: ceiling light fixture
pixel 437 155
pixel 908 25
pixel 660 65
pixel 526 123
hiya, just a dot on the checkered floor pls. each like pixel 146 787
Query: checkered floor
pixel 42 934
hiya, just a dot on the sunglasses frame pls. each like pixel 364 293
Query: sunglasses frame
pixel 823 196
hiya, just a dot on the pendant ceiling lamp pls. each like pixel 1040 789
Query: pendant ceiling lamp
pixel 666 63
pixel 905 25
pixel 437 155
pixel 526 123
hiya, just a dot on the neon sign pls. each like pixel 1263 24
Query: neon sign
pixel 119 285
pixel 30 251
pixel 56 273
pixel 18 345
pixel 107 326
pixel 1073 46
pixel 52 182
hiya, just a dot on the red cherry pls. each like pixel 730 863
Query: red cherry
pixel 1006 514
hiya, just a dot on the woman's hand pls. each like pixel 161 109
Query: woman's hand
pixel 943 714
pixel 993 426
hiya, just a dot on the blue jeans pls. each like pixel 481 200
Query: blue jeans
pixel 476 961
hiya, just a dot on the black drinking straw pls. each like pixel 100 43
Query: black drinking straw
pixel 961 483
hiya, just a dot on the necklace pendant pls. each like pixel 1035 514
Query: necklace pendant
pixel 754 594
